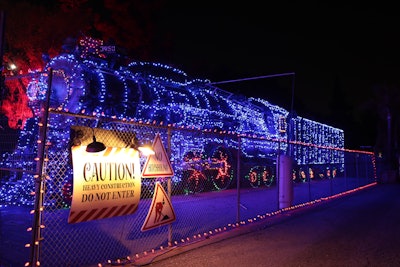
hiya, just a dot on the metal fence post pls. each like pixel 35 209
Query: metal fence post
pixel 169 187
pixel 238 180
pixel 278 172
pixel 357 171
pixel 345 173
pixel 40 178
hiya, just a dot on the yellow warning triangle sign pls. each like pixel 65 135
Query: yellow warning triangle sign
pixel 157 165
pixel 161 211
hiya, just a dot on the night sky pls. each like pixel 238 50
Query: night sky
pixel 337 52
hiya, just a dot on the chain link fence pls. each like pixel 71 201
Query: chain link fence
pixel 220 180
pixel 216 186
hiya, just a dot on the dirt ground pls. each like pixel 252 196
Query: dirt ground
pixel 359 229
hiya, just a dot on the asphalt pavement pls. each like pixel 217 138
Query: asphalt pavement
pixel 357 229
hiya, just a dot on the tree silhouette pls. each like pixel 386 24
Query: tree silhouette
pixel 384 103
pixel 38 30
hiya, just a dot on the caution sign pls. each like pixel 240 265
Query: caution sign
pixel 157 165
pixel 161 211
pixel 106 184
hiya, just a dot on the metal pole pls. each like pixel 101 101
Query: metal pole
pixel 40 178
pixel 345 172
pixel 309 182
pixel 331 180
pixel 238 181
pixel 291 124
pixel 169 187
pixel 292 103
pixel 278 173
pixel 357 172
pixel 256 78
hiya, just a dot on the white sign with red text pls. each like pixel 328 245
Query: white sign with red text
pixel 105 184
pixel 157 165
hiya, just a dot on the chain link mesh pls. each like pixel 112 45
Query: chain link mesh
pixel 216 186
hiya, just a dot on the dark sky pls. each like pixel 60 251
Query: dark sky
pixel 337 52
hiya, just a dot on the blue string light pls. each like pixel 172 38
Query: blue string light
pixel 83 83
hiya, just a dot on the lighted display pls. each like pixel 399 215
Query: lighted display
pixel 87 82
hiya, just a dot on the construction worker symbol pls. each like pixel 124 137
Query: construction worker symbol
pixel 161 211
pixel 159 214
